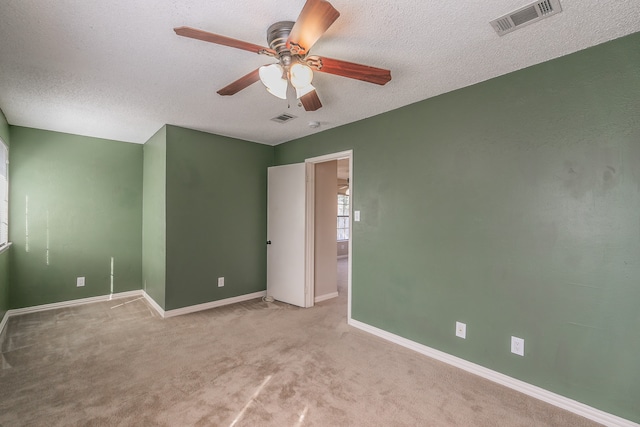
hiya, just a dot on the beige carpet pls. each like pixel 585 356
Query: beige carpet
pixel 249 364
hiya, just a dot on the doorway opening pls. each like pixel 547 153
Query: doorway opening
pixel 329 240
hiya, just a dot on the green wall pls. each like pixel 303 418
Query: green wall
pixel 84 207
pixel 4 256
pixel 512 206
pixel 154 217
pixel 216 217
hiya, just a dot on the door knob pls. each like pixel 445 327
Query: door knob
pixel 268 242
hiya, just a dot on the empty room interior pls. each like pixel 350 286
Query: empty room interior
pixel 206 221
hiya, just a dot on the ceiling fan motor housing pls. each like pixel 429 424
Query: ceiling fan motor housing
pixel 277 35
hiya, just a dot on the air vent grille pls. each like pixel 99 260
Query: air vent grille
pixel 283 118
pixel 526 15
pixel 545 7
pixel 504 24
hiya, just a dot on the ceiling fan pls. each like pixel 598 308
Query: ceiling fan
pixel 290 43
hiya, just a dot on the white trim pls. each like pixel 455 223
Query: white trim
pixel 5 318
pixel 3 248
pixel 350 248
pixel 74 302
pixel 151 301
pixel 332 156
pixel 310 233
pixel 153 304
pixel 343 256
pixel 213 304
pixel 515 384
pixel 326 297
pixel 310 224
pixel 3 322
pixel 63 304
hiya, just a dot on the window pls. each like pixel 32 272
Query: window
pixel 343 217
pixel 4 194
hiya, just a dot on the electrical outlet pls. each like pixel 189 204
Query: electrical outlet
pixel 461 330
pixel 80 281
pixel 517 346
pixel 220 282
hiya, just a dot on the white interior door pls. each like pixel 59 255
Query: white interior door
pixel 286 218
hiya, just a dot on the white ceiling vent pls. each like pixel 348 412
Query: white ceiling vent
pixel 526 15
pixel 284 117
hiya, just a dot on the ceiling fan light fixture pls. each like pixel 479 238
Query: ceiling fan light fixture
pixel 271 78
pixel 301 76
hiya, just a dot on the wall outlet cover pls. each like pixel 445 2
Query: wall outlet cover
pixel 461 330
pixel 80 281
pixel 517 346
pixel 356 216
pixel 220 282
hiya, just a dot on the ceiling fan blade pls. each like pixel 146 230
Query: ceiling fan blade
pixel 315 18
pixel 240 84
pixel 310 101
pixel 351 70
pixel 218 39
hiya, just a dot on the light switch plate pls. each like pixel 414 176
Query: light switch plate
pixel 80 281
pixel 356 216
pixel 461 330
pixel 220 282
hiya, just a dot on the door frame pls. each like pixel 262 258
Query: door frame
pixel 310 226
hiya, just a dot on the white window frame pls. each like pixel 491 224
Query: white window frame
pixel 346 227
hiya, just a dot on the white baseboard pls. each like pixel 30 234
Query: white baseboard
pixel 63 304
pixel 213 304
pixel 153 304
pixel 326 297
pixel 71 303
pixel 3 322
pixel 515 384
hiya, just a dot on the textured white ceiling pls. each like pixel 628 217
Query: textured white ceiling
pixel 115 69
